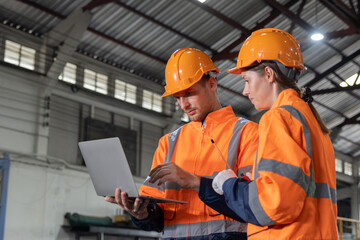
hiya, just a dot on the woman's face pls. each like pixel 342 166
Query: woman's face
pixel 259 89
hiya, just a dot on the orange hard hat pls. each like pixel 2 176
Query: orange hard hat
pixel 269 44
pixel 186 67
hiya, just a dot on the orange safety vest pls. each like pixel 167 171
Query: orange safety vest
pixel 293 194
pixel 190 148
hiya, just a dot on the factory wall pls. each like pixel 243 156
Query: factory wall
pixel 47 174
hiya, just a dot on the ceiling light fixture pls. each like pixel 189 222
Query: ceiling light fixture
pixel 202 1
pixel 351 81
pixel 316 36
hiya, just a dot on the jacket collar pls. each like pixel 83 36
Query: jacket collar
pixel 215 117
pixel 285 96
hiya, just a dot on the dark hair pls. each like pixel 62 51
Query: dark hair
pixel 286 83
pixel 204 79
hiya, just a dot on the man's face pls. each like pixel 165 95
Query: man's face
pixel 195 101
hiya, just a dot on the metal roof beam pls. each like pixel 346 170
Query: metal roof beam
pixel 298 14
pixel 333 68
pixel 165 26
pixel 334 90
pixel 58 15
pixel 96 3
pixel 221 16
pixel 67 30
pixel 339 13
pixel 226 54
pixel 290 15
pixel 303 23
pixel 116 41
pixel 348 121
pixel 42 8
pixel 335 84
pixel 96 32
pixel 350 13
pixel 342 33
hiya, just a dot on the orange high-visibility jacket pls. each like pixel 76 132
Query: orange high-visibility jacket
pixel 293 192
pixel 190 148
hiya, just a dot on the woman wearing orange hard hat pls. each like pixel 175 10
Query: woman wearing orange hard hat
pixel 292 194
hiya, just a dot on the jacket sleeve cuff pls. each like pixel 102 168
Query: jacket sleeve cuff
pixel 214 200
pixel 155 220
pixel 236 193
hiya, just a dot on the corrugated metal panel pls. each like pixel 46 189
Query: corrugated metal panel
pixel 64 129
pixel 150 137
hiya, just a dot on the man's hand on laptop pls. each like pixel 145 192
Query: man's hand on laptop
pixel 136 207
pixel 171 172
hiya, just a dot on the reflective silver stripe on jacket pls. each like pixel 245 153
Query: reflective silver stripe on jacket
pixel 286 170
pixel 172 142
pixel 234 142
pixel 172 138
pixel 297 175
pixel 324 191
pixel 300 117
pixel 231 156
pixel 203 228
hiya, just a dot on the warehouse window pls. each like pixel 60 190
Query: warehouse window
pixel 152 101
pixel 69 73
pixel 348 168
pixel 338 165
pixel 19 55
pixel 351 81
pixel 95 81
pixel 125 91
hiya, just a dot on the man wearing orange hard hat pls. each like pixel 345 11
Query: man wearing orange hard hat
pixel 196 150
pixel 292 194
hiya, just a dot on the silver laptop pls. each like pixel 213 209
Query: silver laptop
pixel 109 169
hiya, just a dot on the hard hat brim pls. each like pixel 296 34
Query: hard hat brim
pixel 235 70
pixel 165 94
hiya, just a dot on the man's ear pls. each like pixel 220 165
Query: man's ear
pixel 212 84
pixel 269 74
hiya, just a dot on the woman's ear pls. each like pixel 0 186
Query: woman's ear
pixel 269 74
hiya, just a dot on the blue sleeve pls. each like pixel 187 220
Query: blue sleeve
pixel 214 200
pixel 236 193
pixel 155 220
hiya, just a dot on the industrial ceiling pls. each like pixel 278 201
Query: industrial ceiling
pixel 139 36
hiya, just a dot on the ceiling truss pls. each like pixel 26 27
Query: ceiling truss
pixel 349 15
